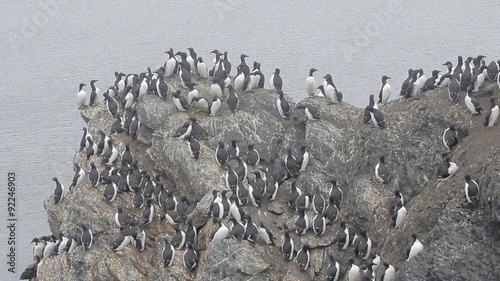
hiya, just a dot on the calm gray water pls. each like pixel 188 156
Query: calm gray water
pixel 50 46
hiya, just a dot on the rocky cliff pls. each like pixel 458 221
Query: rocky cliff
pixel 459 244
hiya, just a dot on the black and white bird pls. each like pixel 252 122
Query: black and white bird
pixel 311 111
pixel 180 101
pixel 291 163
pixel 376 116
pixel 311 83
pixel 302 223
pixel 295 192
pixel 331 212
pixel 168 253
pixel 492 113
pixel 389 273
pixel 38 248
pixel 450 137
pixel 431 83
pixel 127 159
pixel 336 193
pixel 194 147
pixel 385 91
pixel 50 245
pixel 239 79
pixel 398 217
pixel 183 131
pixel 395 202
pixel 342 236
pixel 319 224
pixel 121 242
pixel 112 105
pixel 59 191
pixel 276 80
pixel 217 87
pixel 252 155
pixel 282 105
pixel 331 91
pixel 303 158
pixel 416 248
pixel 237 230
pixel 318 200
pixel 179 238
pixel 302 201
pixel 81 97
pixel 216 207
pixel 202 68
pixel 234 149
pixel 363 245
pixel 404 86
pixel 354 272
pixel 251 231
pixel 333 269
pixel 214 106
pixel 93 175
pixel 221 154
pixel 265 235
pixel 161 86
pixel 303 257
pixel 95 92
pixel 232 99
pixel 121 218
pixel 148 212
pixel 110 191
pixel 111 155
pixel 86 237
pixel 78 177
pixel 287 246
pixel 446 169
pixel 471 191
pixel 472 103
pixel 382 173
pixel 220 233
pixel 191 258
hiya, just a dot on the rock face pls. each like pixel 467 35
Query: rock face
pixel 459 244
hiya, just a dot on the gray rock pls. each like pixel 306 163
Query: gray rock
pixel 458 244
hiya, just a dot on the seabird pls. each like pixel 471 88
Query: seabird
pixel 282 105
pixel 333 269
pixel 450 137
pixel 471 191
pixel 81 97
pixel 381 172
pixel 415 248
pixel 276 81
pixel 303 257
pixel 311 83
pixel 446 169
pixel 385 91
pixel 86 237
pixel 287 247
pixel 58 191
pixel 491 114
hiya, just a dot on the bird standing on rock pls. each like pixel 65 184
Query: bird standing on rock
pixel 276 81
pixel 81 97
pixel 282 105
pixel 311 83
pixel 385 91
pixel 450 137
pixel 492 114
pixel 381 172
